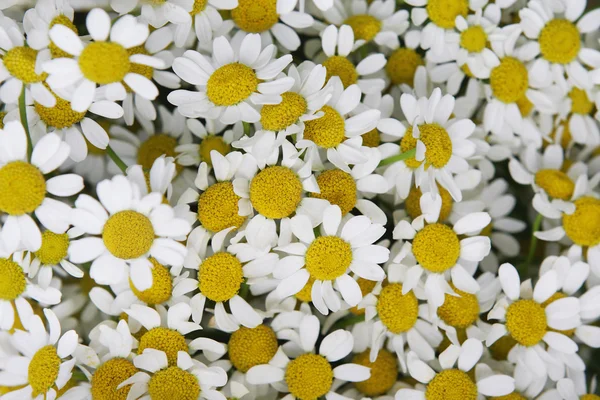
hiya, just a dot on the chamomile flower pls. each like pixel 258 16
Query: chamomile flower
pixel 576 108
pixel 232 82
pixel 205 21
pixel 38 21
pixel 24 188
pixel 213 135
pixel 108 61
pixel 158 13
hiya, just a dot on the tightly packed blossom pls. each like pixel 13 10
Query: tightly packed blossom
pixel 299 199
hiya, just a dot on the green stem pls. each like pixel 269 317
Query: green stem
pixel 532 245
pixel 116 159
pixel 347 321
pixel 23 115
pixel 246 126
pixel 400 157
pixel 244 291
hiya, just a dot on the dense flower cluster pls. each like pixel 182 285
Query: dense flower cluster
pixel 299 199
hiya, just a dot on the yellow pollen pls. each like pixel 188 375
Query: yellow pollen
pixel 163 339
pixel 128 234
pixel 276 192
pixel 402 65
pixel 276 117
pixel 580 102
pixel 2 115
pixel 250 347
pixel 140 69
pixel 371 138
pixel 13 281
pixel 162 285
pixel 60 116
pixel 501 347
pixel 413 203
pixel 459 311
pixel 583 226
pixel 589 397
pixel 384 372
pixel 451 384
pixel 365 27
pixel 104 62
pixel 22 188
pixel 199 6
pixel 556 183
pixel 220 276
pixel 54 248
pixel 305 293
pixel 559 41
pixel 443 13
pixel 211 143
pixel 231 84
pixel 398 312
pixel 526 322
pixel 20 63
pixel 309 376
pixel 56 51
pixel 154 147
pixel 473 39
pixel 328 131
pixel 110 375
pixel 328 257
pixel 218 207
pixel 173 383
pixel 509 80
pixel 339 188
pixel 43 370
pixel 343 68
pixel 255 16
pixel 436 247
pixel 565 137
pixel 437 144
pixel 366 287
pixel 525 106
pixel 510 396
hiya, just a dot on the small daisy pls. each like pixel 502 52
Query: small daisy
pixel 575 107
pixel 24 188
pixel 158 13
pixel 206 20
pixel 232 82
pixel 328 257
pixel 38 21
pixel 213 135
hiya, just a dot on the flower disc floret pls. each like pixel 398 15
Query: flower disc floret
pixel 526 322
pixel 556 183
pixel 337 187
pixel 437 143
pixel 220 276
pixel 43 370
pixel 397 311
pixel 459 311
pixel 343 68
pixel 199 6
pixel 22 188
pixel 413 203
pixel 276 192
pixel 276 117
pixel 109 376
pixel 443 13
pixel 328 257
pixel 328 131
pixel 255 16
pixel 60 116
pixel 218 207
pixel 509 80
pixel 154 147
pixel 13 281
pixel 162 285
pixel 580 102
pixel 402 65
pixel 365 27
pixel 309 376
pixel 163 339
pixel 305 294
pixel 231 84
pixel 211 143
pixel 473 39
pixel 384 371
pixel 371 138
pixel 451 384
pixel 56 51
pixel 173 383
pixel 128 234
pixel 249 347
pixel 583 226
pixel 20 63
pixel 559 41
pixel 54 248
pixel 436 247
pixel 104 62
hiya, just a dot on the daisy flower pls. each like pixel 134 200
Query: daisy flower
pixel 38 21
pixel 384 373
pixel 158 13
pixel 205 21
pixel 576 108
pixel 452 381
pixel 232 82
pixel 24 188
pixel 213 135
pixel 328 257
pixel 310 375
pixel 125 229
pixel 108 61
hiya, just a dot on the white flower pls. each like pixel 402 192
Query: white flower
pixel 205 21
pixel 38 21
pixel 213 135
pixel 158 14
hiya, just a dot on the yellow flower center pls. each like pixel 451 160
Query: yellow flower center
pixel 305 293
pixel 54 248
pixel 328 131
pixel 443 13
pixel 20 63
pixel 211 143
pixel 309 376
pixel 13 281
pixel 436 247
pixel 328 257
pixel 255 16
pixel 275 192
pixel 473 39
pixel 384 372
pixel 459 311
pixel 366 287
pixel 163 339
pixel 552 299
pixel 511 396
pixel 501 347
pixel 59 116
pixel 397 311
pixel 220 276
pixel 199 6
pixel 43 370
pixel 339 188
pixel 525 106
pixel 343 68
pixel 276 117
pixel 583 226
pixel 2 115
pixel 22 188
pixel 402 65
pixel 231 84
pixel 162 285
pixel 413 203
pixel 55 51
pixel 141 69
pixel 104 62
pixel 110 375
pixel 451 384
pixel 371 138
pixel 556 183
pixel 565 137
pixel 365 27
pixel 559 41
pixel 580 103
pixel 173 383
pixel 437 144
pixel 509 80
pixel 526 322
pixel 154 147
pixel 590 397
pixel 218 207
pixel 252 346
pixel 128 234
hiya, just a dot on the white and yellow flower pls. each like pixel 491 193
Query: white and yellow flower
pixel 38 21
pixel 157 13
pixel 205 21
pixel 213 135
